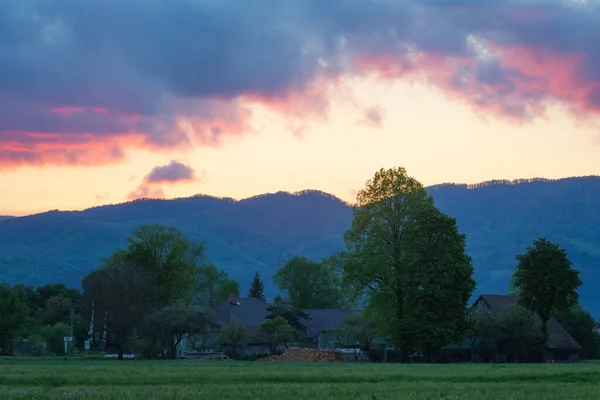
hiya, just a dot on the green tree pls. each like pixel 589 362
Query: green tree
pixel 514 331
pixel 125 291
pixel 518 332
pixel 54 336
pixel 158 268
pixel 583 328
pixel 13 314
pixel 407 260
pixel 169 325
pixel 257 288
pixel 274 332
pixel 546 282
pixel 214 286
pixel 57 309
pixel 172 261
pixel 308 284
pixel 294 316
pixel 28 296
pixel 483 332
pixel 356 332
pixel 234 335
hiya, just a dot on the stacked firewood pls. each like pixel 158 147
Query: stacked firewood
pixel 306 355
pixel 205 356
pixel 270 358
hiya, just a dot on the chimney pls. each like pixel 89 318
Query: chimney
pixel 232 298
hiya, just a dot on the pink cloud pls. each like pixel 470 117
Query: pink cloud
pixel 64 100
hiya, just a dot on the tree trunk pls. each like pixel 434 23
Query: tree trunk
pixel 120 353
pixel 397 341
pixel 545 341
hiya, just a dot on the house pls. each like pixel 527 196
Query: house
pixel 251 312
pixel 248 311
pixel 561 345
pixel 322 323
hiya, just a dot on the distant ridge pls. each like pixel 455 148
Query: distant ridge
pixel 435 187
pixel 499 218
pixel 199 196
pixel 507 182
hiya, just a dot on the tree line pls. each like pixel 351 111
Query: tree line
pixel 404 263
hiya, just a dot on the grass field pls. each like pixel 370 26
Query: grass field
pixel 40 379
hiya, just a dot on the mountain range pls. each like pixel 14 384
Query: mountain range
pixel 499 218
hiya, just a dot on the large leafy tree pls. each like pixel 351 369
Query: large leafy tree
pixel 169 257
pixel 57 309
pixel 45 292
pixel 28 296
pixel 407 260
pixel 518 332
pixel 169 325
pixel 159 268
pixel 309 284
pixel 295 317
pixel 545 281
pixel 275 332
pixel 513 330
pixel 126 292
pixel 356 331
pixel 13 314
pixel 257 288
pixel 214 286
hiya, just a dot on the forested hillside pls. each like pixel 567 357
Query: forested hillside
pixel 500 220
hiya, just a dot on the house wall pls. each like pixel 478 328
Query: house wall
pixel 248 350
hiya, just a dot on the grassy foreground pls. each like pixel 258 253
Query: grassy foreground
pixel 40 379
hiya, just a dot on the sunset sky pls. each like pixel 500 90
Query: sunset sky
pixel 103 101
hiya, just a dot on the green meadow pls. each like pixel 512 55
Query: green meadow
pixel 41 379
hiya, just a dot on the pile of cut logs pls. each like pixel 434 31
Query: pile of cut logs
pixel 205 356
pixel 306 355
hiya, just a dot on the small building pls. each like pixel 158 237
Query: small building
pixel 250 312
pixel 561 345
pixel 321 325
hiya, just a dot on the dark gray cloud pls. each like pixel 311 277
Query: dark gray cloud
pixel 172 173
pixel 145 62
pixel 175 171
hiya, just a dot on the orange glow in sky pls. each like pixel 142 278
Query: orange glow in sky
pixel 437 138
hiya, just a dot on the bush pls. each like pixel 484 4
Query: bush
pixel 54 336
pixel 144 349
pixel 34 345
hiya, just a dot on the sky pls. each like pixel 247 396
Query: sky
pixel 105 101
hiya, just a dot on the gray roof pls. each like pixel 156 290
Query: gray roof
pixel 323 320
pixel 250 312
pixel 558 337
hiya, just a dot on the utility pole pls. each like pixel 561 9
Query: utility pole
pixel 71 337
